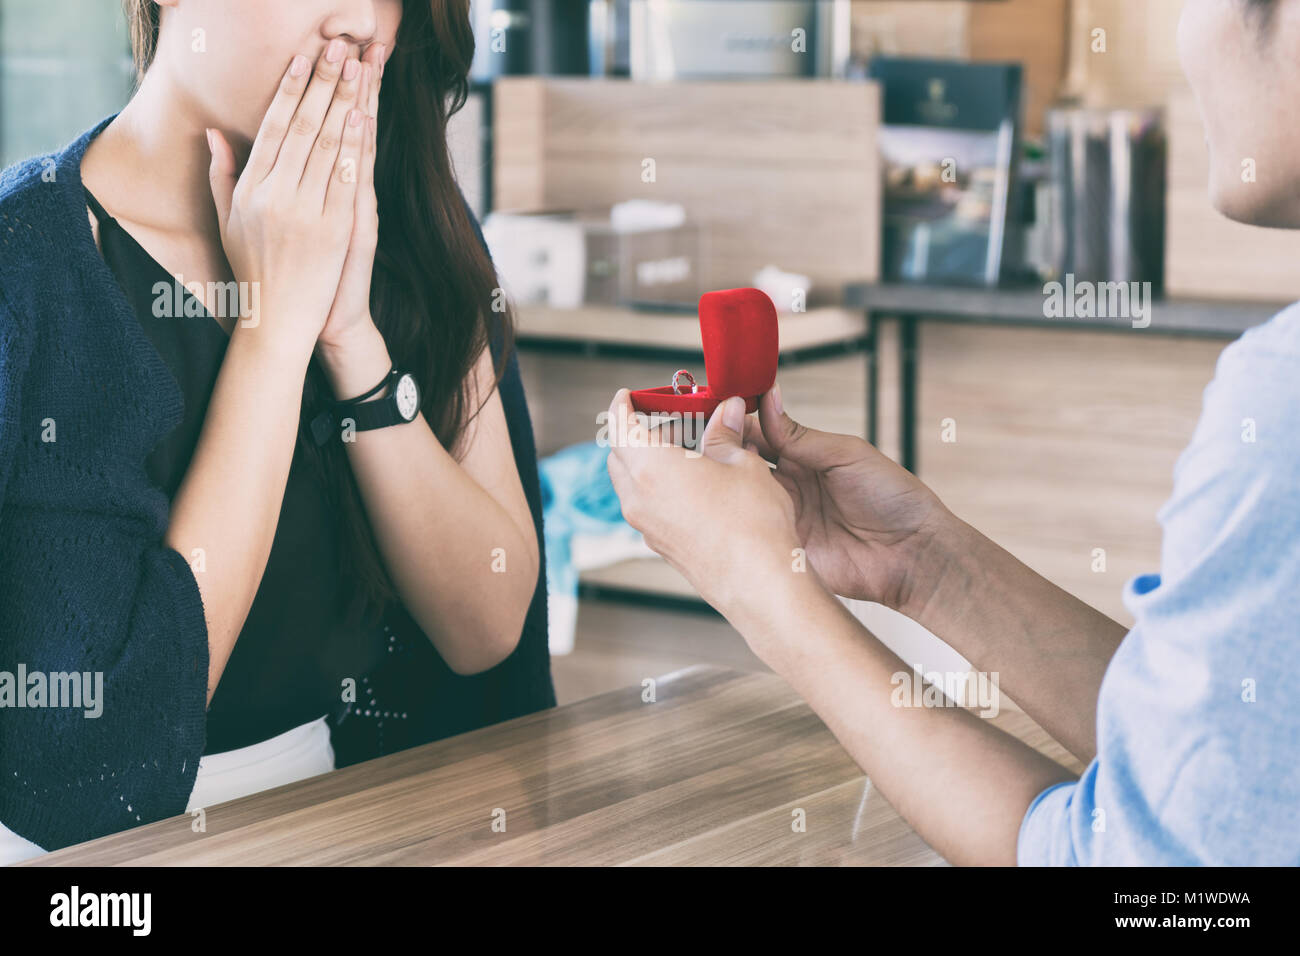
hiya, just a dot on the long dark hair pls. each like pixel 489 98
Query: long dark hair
pixel 435 292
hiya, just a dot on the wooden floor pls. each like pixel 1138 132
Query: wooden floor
pixel 619 645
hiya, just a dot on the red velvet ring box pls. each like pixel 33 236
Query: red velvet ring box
pixel 738 331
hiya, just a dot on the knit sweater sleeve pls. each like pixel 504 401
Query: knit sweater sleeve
pixel 103 641
pixel 15 355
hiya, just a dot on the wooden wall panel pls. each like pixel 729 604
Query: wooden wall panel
pixel 778 172
pixel 1139 65
pixel 1206 254
pixel 465 143
pixel 1031 32
pixel 1066 442
pixel 519 131
pixel 937 28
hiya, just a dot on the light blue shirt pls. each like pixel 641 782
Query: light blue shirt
pixel 1198 720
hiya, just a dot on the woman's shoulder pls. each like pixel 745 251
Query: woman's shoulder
pixel 40 211
pixel 34 182
pixel 33 245
pixel 18 182
pixel 28 201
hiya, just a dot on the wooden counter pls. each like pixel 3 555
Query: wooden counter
pixel 710 773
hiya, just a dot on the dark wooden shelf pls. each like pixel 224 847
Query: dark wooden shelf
pixel 1024 305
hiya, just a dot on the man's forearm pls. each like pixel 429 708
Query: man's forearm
pixel 1049 648
pixel 962 783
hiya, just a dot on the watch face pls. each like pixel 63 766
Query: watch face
pixel 408 397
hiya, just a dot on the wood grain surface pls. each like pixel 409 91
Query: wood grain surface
pixel 782 172
pixel 1208 255
pixel 1030 32
pixel 709 773
pixel 1063 443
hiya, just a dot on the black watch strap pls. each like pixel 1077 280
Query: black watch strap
pixel 377 414
pixel 386 380
pixel 364 415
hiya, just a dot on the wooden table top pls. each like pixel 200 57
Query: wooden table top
pixel 709 773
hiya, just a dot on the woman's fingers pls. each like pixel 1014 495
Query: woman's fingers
pixel 366 179
pixel 367 201
pixel 275 124
pixel 309 117
pixel 221 176
pixel 342 194
pixel 380 58
pixel 350 173
pixel 324 157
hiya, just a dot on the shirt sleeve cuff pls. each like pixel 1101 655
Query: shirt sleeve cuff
pixel 1045 827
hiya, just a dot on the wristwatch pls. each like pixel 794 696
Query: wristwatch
pixel 401 404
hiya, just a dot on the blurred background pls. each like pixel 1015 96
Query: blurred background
pixel 903 177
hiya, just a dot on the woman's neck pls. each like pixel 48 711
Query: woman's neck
pixel 150 165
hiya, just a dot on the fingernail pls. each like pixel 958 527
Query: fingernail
pixel 334 52
pixel 776 399
pixel 733 413
pixel 299 66
pixel 212 145
pixel 350 69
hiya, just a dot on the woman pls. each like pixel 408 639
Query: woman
pixel 1187 723
pixel 266 470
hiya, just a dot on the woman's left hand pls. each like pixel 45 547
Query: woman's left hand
pixel 716 515
pixel 351 312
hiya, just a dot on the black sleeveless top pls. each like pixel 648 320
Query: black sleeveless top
pixel 293 654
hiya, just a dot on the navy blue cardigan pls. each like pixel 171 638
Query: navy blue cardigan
pixel 86 583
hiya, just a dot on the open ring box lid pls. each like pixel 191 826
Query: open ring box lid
pixel 738 329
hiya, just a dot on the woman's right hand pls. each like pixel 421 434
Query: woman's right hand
pixel 870 527
pixel 287 221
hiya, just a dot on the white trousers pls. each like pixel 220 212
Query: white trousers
pixel 294 755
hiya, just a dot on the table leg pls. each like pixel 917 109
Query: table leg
pixel 907 383
pixel 873 379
